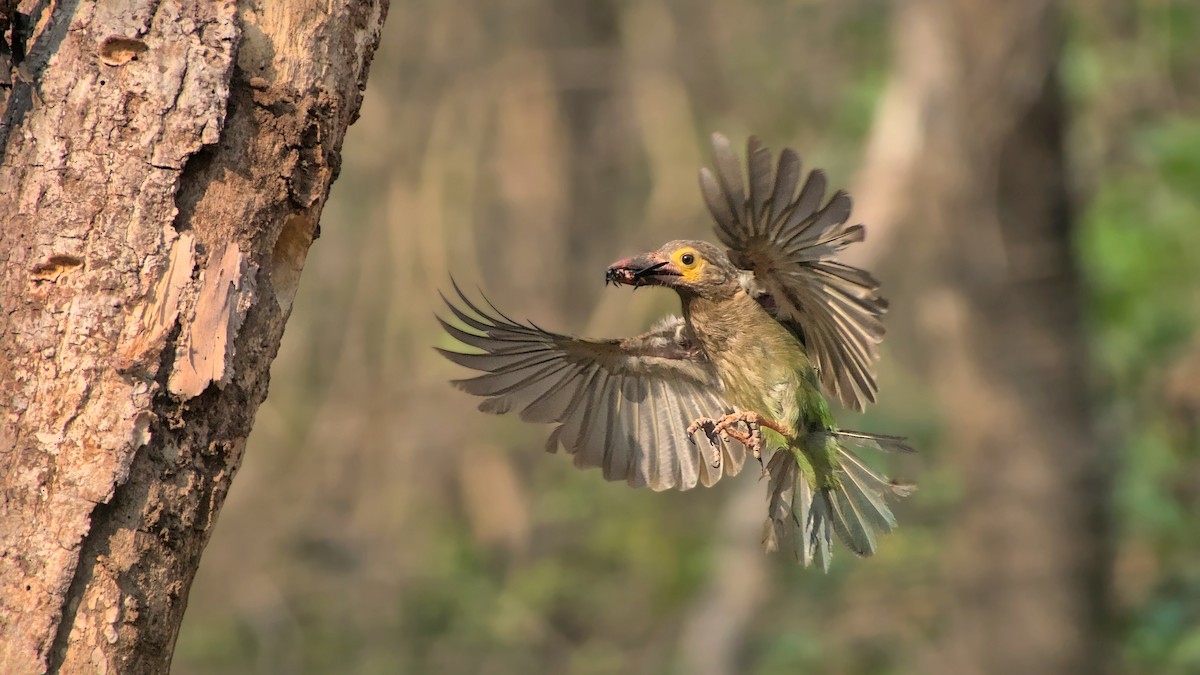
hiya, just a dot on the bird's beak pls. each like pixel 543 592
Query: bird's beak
pixel 648 269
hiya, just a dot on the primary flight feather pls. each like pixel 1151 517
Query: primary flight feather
pixel 769 327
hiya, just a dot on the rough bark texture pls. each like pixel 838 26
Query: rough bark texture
pixel 988 212
pixel 158 195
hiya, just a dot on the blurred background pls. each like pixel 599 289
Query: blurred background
pixel 1030 179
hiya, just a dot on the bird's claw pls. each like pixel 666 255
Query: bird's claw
pixel 752 438
pixel 707 424
pixel 727 427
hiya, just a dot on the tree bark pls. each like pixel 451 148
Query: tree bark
pixel 161 181
pixel 991 273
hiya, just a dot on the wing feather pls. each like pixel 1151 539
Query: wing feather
pixel 664 466
pixel 571 431
pixel 674 425
pixel 787 175
pixel 810 198
pixel 759 167
pixel 729 173
pixel 553 404
pixel 593 445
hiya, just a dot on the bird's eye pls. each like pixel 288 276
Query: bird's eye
pixel 687 258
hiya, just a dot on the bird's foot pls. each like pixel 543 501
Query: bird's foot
pixel 726 427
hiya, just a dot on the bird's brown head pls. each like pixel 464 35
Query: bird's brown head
pixel 687 266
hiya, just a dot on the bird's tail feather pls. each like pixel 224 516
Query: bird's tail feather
pixel 855 507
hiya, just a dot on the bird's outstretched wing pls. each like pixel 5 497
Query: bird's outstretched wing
pixel 621 405
pixel 790 241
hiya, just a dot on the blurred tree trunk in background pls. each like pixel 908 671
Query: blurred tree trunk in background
pixel 987 211
pixel 583 39
pixel 161 181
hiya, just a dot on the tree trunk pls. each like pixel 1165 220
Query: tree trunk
pixel 162 178
pixel 997 298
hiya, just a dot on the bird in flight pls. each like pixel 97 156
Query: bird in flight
pixel 771 325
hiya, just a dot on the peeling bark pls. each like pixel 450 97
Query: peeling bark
pixel 161 181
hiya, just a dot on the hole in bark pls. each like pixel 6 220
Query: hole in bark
pixel 55 266
pixel 117 51
pixel 287 258
pixel 193 183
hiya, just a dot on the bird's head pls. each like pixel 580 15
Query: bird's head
pixel 687 266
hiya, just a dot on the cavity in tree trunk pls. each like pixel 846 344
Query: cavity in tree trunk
pixel 164 168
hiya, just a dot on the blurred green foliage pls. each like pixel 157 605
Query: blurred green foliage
pixel 1139 244
pixel 356 539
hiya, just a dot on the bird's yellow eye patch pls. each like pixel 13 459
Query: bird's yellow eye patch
pixel 689 262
